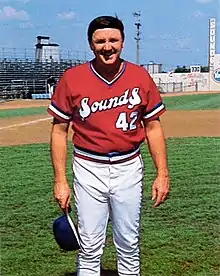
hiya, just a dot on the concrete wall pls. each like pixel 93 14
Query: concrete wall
pixel 180 82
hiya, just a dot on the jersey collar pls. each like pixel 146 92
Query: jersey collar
pixel 103 79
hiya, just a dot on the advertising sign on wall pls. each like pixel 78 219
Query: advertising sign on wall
pixel 212 26
pixel 216 75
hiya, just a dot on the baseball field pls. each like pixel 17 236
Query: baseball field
pixel 180 237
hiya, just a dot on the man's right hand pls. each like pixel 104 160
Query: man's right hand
pixel 62 194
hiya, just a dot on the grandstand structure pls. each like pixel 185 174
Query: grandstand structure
pixel 26 77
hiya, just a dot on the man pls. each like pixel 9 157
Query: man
pixel 51 82
pixel 113 106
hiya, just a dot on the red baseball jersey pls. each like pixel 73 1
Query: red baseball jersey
pixel 106 116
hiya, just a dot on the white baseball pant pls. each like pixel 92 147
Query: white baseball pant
pixel 99 188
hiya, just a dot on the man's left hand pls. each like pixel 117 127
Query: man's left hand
pixel 160 189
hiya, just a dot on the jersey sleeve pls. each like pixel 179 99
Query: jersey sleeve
pixel 155 106
pixel 60 106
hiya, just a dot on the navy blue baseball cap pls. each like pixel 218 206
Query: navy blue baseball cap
pixel 65 233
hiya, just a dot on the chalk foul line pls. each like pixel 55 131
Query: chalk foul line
pixel 26 123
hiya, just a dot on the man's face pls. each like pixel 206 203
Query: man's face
pixel 107 45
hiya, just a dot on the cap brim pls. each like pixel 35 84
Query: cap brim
pixel 73 227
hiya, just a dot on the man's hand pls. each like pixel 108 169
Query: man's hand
pixel 160 189
pixel 62 194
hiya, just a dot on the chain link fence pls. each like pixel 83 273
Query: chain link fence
pixel 176 87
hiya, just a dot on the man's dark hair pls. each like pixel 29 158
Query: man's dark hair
pixel 102 22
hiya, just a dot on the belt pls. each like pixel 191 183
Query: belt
pixel 107 158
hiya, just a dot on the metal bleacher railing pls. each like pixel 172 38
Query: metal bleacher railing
pixel 21 76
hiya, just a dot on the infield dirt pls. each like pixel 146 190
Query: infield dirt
pixel 36 129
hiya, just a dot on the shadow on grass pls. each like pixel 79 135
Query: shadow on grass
pixel 104 272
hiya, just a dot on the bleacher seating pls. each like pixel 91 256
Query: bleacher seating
pixel 24 79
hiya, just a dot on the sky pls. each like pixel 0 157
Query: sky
pixel 172 32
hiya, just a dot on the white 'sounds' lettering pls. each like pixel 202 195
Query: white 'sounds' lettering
pixel 132 100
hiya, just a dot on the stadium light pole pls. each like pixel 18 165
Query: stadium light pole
pixel 137 37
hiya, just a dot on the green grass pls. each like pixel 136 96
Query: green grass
pixel 181 237
pixel 193 102
pixel 8 113
pixel 186 102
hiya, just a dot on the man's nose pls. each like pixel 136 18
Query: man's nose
pixel 107 46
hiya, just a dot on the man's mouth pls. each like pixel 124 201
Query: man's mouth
pixel 107 54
